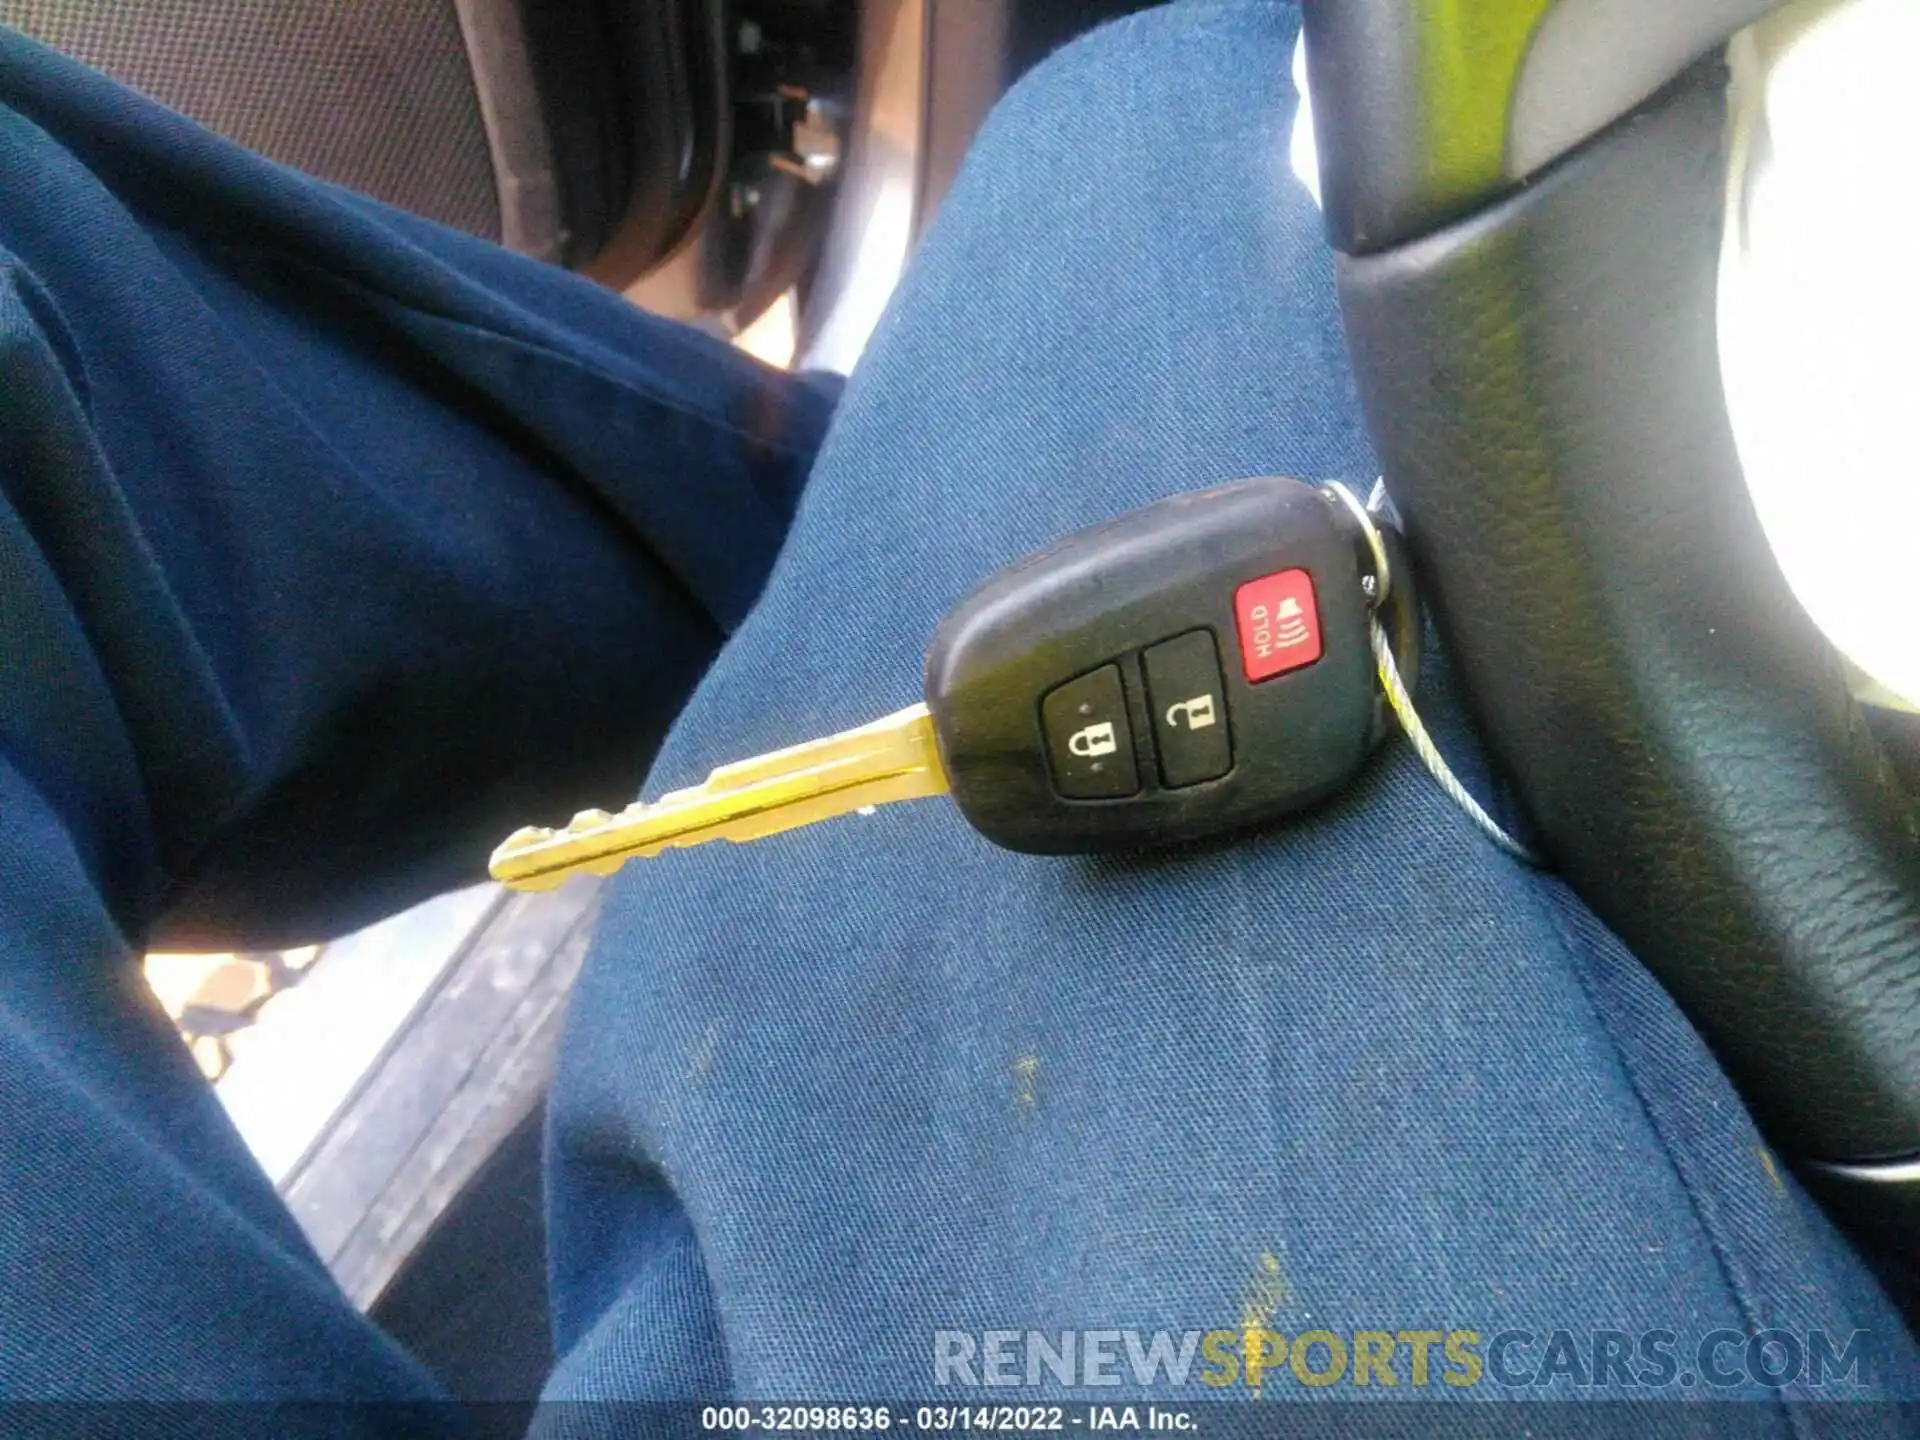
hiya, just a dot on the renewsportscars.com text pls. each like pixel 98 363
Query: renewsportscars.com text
pixel 1257 1358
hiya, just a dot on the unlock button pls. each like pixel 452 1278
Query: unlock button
pixel 1189 709
pixel 1089 745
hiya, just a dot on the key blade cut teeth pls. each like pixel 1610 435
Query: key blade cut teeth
pixel 890 760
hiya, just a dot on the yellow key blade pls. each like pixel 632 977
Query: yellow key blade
pixel 891 759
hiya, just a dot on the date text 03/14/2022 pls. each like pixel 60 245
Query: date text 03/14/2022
pixel 946 1419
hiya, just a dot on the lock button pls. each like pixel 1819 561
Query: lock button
pixel 1189 709
pixel 1089 743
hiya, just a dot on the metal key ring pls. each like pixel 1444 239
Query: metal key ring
pixel 1383 572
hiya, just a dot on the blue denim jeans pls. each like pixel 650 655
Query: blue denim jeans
pixel 333 546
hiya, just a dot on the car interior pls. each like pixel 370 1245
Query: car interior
pixel 1527 203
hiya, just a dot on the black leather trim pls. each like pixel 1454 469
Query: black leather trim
pixel 1542 383
pixel 1587 62
pixel 639 112
pixel 1563 97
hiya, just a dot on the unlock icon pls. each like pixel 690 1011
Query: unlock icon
pixel 1094 740
pixel 1195 714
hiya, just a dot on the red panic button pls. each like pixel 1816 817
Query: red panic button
pixel 1279 624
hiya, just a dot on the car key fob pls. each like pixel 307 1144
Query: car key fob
pixel 1202 664
pixel 1186 669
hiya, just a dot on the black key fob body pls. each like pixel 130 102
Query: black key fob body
pixel 1189 668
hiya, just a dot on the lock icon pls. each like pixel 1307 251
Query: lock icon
pixel 1093 741
pixel 1198 713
